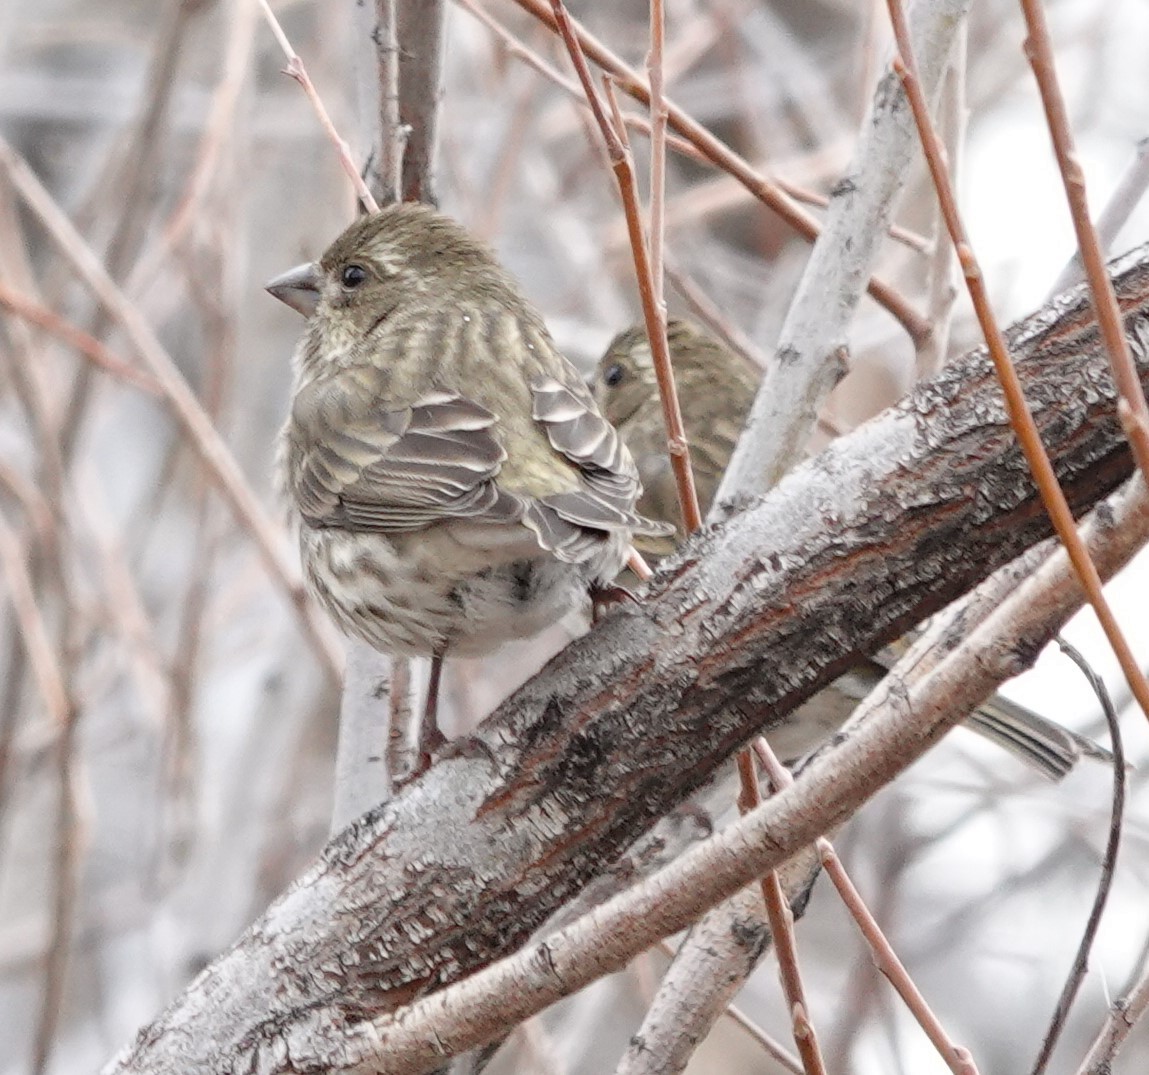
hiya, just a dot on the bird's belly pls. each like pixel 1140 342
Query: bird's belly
pixel 422 593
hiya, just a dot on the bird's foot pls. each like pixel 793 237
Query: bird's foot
pixel 605 597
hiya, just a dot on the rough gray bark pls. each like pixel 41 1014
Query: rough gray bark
pixel 889 524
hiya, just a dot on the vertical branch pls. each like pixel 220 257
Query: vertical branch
pixel 389 137
pixel 420 51
pixel 942 286
pixel 618 153
pixel 362 776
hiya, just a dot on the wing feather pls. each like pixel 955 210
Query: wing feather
pixel 608 476
pixel 362 467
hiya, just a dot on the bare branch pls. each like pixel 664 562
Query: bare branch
pixel 812 343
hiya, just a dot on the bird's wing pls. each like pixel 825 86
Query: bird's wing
pixel 360 467
pixel 571 524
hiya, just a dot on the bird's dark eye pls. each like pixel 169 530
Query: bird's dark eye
pixel 612 375
pixel 353 275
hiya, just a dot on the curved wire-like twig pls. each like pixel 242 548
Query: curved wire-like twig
pixel 1108 862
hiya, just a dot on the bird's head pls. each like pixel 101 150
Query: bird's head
pixel 624 378
pixel 404 256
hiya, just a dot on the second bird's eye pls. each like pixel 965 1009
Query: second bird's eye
pixel 353 275
pixel 612 375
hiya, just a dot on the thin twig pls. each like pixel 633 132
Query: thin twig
pixel 724 192
pixel 219 127
pixel 813 340
pixel 1021 418
pixel 783 1057
pixel 708 312
pixel 88 346
pixel 1125 198
pixel 764 189
pixel 1108 862
pixel 781 920
pixel 1039 51
pixel 296 70
pixel 657 154
pixel 680 144
pixel 197 426
pixel 941 286
pixel 613 135
pixel 127 188
pixel 957 1058
pixel 1124 1014
pixel 48 673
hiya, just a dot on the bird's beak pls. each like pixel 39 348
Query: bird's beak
pixel 298 287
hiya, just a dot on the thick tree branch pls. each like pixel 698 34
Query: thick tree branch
pixel 889 524
pixel 900 725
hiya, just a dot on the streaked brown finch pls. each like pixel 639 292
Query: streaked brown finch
pixel 716 388
pixel 455 483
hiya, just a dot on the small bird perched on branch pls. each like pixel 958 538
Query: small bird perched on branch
pixel 455 482
pixel 716 388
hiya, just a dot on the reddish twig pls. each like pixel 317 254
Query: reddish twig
pixel 715 150
pixel 88 346
pixel 781 920
pixel 1125 198
pixel 1021 418
pixel 956 1057
pixel 613 135
pixel 297 71
pixel 773 1049
pixel 680 144
pixel 708 312
pixel 1039 52
pixel 187 410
